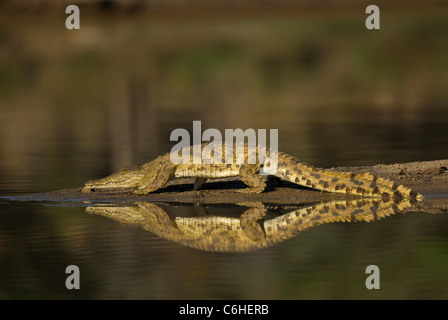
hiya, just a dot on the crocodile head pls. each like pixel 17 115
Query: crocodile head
pixel 125 178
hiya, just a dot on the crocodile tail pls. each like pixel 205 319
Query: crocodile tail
pixel 365 184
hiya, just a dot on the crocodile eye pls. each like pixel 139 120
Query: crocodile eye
pixel 92 189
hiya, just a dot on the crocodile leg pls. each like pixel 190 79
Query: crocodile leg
pixel 198 183
pixel 249 175
pixel 249 222
pixel 156 174
pixel 153 213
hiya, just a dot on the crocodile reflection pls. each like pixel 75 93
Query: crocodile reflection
pixel 251 231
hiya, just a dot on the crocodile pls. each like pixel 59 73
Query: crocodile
pixel 153 175
pixel 251 231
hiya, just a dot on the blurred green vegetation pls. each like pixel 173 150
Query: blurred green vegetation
pixel 137 78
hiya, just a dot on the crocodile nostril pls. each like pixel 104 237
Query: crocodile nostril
pixel 87 189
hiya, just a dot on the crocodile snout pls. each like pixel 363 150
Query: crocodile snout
pixel 87 189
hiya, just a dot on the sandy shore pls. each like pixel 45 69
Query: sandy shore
pixel 430 178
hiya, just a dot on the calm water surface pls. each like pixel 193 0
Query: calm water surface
pixel 38 240
pixel 328 261
pixel 82 107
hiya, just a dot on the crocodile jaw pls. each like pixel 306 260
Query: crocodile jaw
pixel 123 179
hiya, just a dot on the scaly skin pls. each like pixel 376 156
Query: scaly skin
pixel 155 174
pixel 251 231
